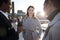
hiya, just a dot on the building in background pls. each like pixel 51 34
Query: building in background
pixel 20 14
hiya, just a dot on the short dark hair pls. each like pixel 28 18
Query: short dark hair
pixel 28 9
pixel 1 2
pixel 56 3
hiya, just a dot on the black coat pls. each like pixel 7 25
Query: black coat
pixel 8 33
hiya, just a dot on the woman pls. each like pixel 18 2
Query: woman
pixel 31 25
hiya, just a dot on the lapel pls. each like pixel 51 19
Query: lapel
pixel 56 19
pixel 5 20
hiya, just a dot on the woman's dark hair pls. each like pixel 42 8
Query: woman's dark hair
pixel 28 9
pixel 56 3
pixel 1 2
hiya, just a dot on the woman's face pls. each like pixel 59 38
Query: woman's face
pixel 31 11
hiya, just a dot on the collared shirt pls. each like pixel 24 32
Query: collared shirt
pixel 13 24
pixel 5 14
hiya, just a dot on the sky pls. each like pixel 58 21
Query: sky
pixel 23 5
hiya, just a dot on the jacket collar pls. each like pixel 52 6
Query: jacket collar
pixel 53 14
pixel 5 14
pixel 56 18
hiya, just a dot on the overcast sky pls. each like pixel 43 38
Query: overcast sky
pixel 23 5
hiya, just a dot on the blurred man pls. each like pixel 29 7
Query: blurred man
pixel 6 30
pixel 52 9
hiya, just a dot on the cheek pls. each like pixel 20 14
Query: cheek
pixel 30 13
pixel 8 8
pixel 47 9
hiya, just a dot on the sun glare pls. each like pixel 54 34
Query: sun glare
pixel 42 14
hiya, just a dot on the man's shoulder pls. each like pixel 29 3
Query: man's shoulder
pixel 1 14
pixel 57 24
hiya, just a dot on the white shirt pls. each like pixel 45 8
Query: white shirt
pixel 5 14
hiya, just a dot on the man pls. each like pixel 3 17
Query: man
pixel 6 30
pixel 52 9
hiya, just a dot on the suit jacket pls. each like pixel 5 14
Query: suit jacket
pixel 53 32
pixel 6 30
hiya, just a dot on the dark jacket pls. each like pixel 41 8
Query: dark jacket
pixel 6 30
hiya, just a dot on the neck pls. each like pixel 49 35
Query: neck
pixel 30 16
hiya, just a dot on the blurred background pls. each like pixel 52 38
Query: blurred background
pixel 19 8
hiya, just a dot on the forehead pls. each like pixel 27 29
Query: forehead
pixel 31 8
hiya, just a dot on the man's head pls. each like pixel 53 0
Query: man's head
pixel 5 5
pixel 51 5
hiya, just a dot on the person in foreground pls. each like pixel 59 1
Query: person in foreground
pixel 31 26
pixel 6 30
pixel 52 9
